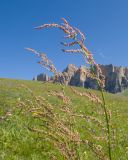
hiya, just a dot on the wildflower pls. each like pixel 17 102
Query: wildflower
pixel 18 99
pixel 85 155
pixel 35 114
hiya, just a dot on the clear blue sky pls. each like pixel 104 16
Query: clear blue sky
pixel 104 22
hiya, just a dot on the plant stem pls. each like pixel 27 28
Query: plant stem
pixel 107 124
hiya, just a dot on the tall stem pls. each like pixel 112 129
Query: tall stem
pixel 107 124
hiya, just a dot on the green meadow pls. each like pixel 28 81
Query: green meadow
pixel 19 142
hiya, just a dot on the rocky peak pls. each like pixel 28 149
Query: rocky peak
pixel 107 69
pixel 116 78
pixel 71 69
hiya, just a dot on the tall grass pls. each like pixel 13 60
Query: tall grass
pixel 58 129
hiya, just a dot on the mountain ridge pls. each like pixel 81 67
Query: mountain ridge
pixel 116 78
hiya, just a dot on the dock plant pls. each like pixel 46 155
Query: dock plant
pixel 60 129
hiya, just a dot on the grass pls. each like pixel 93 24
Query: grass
pixel 125 92
pixel 17 142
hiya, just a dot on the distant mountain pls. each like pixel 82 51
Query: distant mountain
pixel 116 78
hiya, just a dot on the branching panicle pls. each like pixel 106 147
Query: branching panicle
pixel 78 39
pixel 45 62
pixel 56 129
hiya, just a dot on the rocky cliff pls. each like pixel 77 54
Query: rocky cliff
pixel 116 78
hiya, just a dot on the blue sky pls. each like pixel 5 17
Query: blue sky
pixel 104 22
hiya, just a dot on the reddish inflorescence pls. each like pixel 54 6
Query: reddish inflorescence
pixel 78 38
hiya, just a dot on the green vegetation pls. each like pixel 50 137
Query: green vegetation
pixel 19 142
pixel 125 92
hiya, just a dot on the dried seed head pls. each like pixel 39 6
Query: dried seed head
pixel 91 96
pixel 45 62
pixel 78 38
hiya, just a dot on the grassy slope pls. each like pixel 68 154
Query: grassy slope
pixel 125 93
pixel 17 143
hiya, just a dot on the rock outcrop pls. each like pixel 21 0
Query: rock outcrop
pixel 79 78
pixel 43 77
pixel 116 78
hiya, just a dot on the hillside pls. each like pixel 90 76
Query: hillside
pixel 18 142
pixel 125 93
